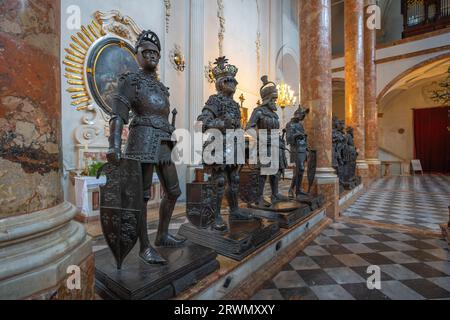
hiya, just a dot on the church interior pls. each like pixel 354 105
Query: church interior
pixel 105 111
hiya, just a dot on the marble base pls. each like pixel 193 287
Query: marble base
pixel 314 202
pixel 36 252
pixel 286 213
pixel 350 185
pixel 330 189
pixel 349 197
pixel 140 281
pixel 240 240
pixel 233 273
pixel 375 171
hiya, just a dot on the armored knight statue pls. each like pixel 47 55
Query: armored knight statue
pixel 222 113
pixel 350 157
pixel 339 142
pixel 265 117
pixel 149 142
pixel 297 140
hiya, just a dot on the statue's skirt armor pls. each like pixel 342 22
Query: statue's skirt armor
pixel 149 140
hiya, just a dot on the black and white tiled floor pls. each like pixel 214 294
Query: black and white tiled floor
pixel 413 267
pixel 334 266
pixel 420 202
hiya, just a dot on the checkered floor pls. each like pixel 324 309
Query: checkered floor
pixel 413 267
pixel 334 266
pixel 420 202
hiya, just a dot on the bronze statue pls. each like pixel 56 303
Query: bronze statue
pixel 350 156
pixel 297 139
pixel 265 117
pixel 344 155
pixel 149 141
pixel 221 112
pixel 339 144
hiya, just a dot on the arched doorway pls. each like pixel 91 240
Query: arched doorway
pixel 398 136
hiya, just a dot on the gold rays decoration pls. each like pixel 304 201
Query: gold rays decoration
pixel 75 60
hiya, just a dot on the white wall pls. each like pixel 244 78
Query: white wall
pixel 398 114
pixel 241 26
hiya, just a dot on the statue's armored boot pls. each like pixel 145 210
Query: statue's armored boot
pixel 237 213
pixel 163 237
pixel 261 202
pixel 147 252
pixel 276 195
pixel 292 188
pixel 300 193
pixel 219 224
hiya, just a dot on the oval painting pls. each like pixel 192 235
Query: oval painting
pixel 109 59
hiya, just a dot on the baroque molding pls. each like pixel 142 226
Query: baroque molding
pixel 258 40
pixel 221 16
pixel 168 6
pixel 105 24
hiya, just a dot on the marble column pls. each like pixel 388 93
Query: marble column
pixel 316 91
pixel 370 95
pixel 38 238
pixel 196 75
pixel 354 25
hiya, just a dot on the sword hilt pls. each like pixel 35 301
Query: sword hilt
pixel 174 117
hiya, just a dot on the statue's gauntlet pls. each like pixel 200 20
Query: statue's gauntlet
pixel 115 137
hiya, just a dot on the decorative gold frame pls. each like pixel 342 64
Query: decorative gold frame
pixel 104 24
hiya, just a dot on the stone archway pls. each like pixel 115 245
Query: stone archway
pixel 409 90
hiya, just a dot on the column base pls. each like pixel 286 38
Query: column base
pixel 374 169
pixel 37 250
pixel 362 170
pixel 327 183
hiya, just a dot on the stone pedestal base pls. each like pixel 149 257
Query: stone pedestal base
pixel 240 240
pixel 41 251
pixel 138 280
pixel 327 184
pixel 374 170
pixel 362 170
pixel 286 213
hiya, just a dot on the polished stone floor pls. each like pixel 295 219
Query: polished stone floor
pixel 413 266
pixel 419 201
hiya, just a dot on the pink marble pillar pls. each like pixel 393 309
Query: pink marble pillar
pixel 37 233
pixel 354 25
pixel 370 94
pixel 316 90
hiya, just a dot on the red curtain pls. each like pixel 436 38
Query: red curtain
pixel 432 138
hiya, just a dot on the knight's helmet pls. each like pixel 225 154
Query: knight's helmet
pixel 268 90
pixel 150 37
pixel 301 112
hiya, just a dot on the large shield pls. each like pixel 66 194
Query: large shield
pixel 249 183
pixel 201 204
pixel 312 166
pixel 121 201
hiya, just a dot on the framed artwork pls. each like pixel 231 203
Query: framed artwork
pixel 110 58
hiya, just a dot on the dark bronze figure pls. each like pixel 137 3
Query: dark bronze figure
pixel 297 139
pixel 350 178
pixel 221 112
pixel 149 140
pixel 344 155
pixel 339 140
pixel 265 117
